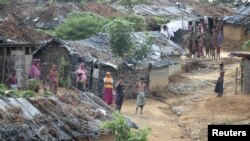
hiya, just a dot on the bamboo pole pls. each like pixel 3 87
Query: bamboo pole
pixel 242 75
pixel 236 80
pixel 99 75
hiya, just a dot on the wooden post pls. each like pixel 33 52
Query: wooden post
pixel 4 60
pixel 236 80
pixel 242 75
pixel 90 77
pixel 99 74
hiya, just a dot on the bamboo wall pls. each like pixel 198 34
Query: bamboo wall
pixel 235 32
pixel 53 52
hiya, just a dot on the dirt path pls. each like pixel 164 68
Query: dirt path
pixel 200 108
pixel 159 118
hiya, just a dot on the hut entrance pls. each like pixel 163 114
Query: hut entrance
pixel 22 63
pixel 210 24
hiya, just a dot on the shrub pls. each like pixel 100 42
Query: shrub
pixel 157 20
pixel 80 25
pixel 62 65
pixel 123 132
pixel 48 93
pixel 17 94
pixel 25 94
pixel 48 32
pixel 246 45
pixel 139 22
pixel 129 4
pixel 3 87
pixel 33 84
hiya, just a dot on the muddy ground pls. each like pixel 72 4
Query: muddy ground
pixel 196 108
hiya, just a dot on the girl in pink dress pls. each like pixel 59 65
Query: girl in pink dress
pixel 53 76
pixel 81 77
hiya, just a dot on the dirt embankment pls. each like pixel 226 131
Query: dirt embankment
pixel 14 31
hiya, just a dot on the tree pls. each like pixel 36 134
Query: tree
pixel 122 45
pixel 129 4
pixel 120 38
pixel 143 49
pixel 80 25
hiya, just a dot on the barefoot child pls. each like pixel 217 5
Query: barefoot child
pixel 141 99
pixel 12 81
pixel 120 87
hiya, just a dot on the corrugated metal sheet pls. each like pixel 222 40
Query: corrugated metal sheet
pixel 154 10
pixel 3 104
pixel 241 16
pixel 28 109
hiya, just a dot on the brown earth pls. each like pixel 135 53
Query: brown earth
pixel 12 30
pixel 200 107
pixel 103 10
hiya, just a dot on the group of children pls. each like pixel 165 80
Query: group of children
pixel 204 38
pixel 35 74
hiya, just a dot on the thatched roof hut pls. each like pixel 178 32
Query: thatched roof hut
pixel 96 53
pixel 96 58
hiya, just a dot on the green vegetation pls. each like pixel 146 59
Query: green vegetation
pixel 246 45
pixel 119 37
pixel 143 49
pixel 129 4
pixel 121 41
pixel 123 132
pixel 68 0
pixel 80 25
pixel 17 94
pixel 3 87
pixel 48 93
pixel 4 2
pixel 61 70
pixel 49 32
pixel 139 21
pixel 33 84
pixel 159 20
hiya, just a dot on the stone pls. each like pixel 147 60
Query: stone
pixel 178 110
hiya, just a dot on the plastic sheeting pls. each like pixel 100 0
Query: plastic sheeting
pixel 173 26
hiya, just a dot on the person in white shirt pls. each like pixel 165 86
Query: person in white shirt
pixel 166 32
